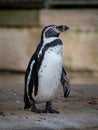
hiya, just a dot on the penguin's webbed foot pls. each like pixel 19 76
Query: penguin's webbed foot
pixel 49 109
pixel 34 109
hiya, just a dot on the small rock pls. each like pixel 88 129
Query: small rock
pixel 2 114
pixel 93 102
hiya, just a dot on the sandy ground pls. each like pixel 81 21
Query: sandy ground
pixel 77 112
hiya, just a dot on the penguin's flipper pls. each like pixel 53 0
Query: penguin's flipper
pixel 65 83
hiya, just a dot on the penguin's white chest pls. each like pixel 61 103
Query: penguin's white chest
pixel 49 74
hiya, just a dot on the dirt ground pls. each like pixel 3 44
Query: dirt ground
pixel 77 112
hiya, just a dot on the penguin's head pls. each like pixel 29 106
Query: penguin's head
pixel 53 31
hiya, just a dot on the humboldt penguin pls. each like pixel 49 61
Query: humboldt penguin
pixel 45 71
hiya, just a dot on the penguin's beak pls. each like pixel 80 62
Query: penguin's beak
pixel 62 28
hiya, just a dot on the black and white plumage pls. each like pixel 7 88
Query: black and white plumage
pixel 45 71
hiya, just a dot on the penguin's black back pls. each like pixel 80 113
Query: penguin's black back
pixel 33 79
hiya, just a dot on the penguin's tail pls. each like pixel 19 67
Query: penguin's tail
pixel 26 100
pixel 27 103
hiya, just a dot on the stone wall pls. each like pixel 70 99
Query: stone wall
pixel 80 52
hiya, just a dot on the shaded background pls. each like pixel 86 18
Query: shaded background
pixel 21 22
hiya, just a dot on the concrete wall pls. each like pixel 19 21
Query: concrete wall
pixel 16 47
pixel 80 43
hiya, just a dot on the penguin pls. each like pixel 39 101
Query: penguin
pixel 45 71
